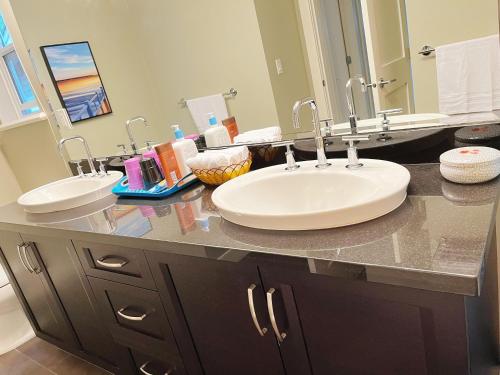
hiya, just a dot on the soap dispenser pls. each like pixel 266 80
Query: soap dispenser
pixel 216 135
pixel 184 149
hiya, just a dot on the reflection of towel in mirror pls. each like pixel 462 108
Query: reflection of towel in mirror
pixel 200 107
pixel 270 134
pixel 468 76
pixel 218 158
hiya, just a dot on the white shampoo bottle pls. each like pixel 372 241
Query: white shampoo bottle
pixel 216 135
pixel 184 149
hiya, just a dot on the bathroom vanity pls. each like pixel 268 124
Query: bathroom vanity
pixel 155 288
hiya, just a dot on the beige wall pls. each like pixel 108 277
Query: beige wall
pixel 121 64
pixel 280 33
pixel 198 48
pixel 151 54
pixel 31 153
pixel 9 188
pixel 435 23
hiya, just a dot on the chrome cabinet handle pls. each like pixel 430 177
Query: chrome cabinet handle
pixel 143 370
pixel 102 262
pixel 251 305
pixel 132 318
pixel 20 249
pixel 270 307
pixel 35 269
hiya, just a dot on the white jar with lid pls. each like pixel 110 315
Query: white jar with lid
pixel 470 165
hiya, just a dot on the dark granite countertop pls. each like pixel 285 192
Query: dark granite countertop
pixel 437 240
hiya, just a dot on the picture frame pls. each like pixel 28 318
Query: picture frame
pixel 76 79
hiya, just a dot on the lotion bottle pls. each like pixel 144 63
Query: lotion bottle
pixel 184 149
pixel 216 135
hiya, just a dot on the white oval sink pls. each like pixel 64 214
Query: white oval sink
pixel 311 198
pixel 69 193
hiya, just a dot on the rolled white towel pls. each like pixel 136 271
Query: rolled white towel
pixel 218 158
pixel 270 134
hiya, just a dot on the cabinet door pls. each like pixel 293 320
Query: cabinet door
pixel 66 274
pixel 214 296
pixel 35 290
pixel 357 328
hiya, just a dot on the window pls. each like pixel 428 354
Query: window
pixel 21 92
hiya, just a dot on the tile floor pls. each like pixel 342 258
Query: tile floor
pixel 38 357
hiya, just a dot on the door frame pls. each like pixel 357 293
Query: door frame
pixel 308 15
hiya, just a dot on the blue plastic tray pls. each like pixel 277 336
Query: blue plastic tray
pixel 121 189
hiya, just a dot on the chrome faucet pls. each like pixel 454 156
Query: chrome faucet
pixel 318 138
pixel 353 118
pixel 90 159
pixel 128 126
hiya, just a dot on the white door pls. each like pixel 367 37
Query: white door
pixel 388 53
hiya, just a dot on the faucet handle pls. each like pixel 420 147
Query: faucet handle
pixel 150 144
pixel 79 168
pixel 291 164
pixel 387 112
pixel 352 152
pixel 123 148
pixel 392 111
pixel 102 168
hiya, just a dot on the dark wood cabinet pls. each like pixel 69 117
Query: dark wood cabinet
pixel 215 300
pixel 137 311
pixel 33 285
pixel 74 292
pixel 354 327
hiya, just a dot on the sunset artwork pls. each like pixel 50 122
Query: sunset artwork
pixel 77 80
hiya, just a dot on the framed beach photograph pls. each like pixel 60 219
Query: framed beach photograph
pixel 77 81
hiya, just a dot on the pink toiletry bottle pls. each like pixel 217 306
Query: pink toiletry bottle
pixel 134 174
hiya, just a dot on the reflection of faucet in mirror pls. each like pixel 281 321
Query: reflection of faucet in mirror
pixel 90 159
pixel 385 120
pixel 320 146
pixel 128 126
pixel 353 117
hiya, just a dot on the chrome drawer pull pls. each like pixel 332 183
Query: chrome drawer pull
pixel 132 318
pixel 102 262
pixel 20 250
pixel 251 305
pixel 143 370
pixel 280 336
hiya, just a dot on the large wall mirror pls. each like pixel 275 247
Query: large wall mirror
pixel 154 56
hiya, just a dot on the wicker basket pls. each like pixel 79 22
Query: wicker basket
pixel 217 176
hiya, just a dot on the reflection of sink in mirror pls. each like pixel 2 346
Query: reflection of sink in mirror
pixel 405 121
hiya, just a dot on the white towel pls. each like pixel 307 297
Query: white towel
pixel 270 134
pixel 200 107
pixel 469 76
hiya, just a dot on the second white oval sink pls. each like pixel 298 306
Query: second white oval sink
pixel 310 198
pixel 69 193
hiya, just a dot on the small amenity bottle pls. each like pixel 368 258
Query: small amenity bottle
pixel 168 163
pixel 216 135
pixel 184 149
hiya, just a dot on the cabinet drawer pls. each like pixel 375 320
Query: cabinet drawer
pixel 135 317
pixel 121 264
pixel 148 365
